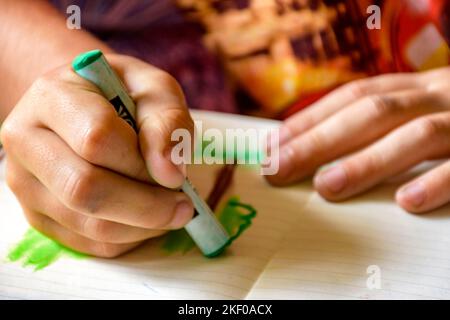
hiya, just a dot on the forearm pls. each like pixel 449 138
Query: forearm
pixel 34 39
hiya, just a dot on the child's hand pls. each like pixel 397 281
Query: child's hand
pixel 81 173
pixel 392 122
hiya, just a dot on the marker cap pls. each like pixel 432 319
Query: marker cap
pixel 206 231
pixel 86 59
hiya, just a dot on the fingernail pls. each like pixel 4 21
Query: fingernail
pixel 334 179
pixel 413 194
pixel 183 212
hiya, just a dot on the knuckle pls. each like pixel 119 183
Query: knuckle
pixel 44 82
pixel 427 128
pixel 95 140
pixel 51 82
pixel 373 162
pixel 317 141
pixel 357 88
pixel 79 190
pixel 99 230
pixel 381 105
pixel 8 134
pixel 364 165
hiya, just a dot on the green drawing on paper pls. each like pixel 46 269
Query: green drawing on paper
pixel 234 220
pixel 38 251
pixel 178 241
pixel 247 156
pixel 232 217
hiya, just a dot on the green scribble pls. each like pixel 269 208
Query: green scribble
pixel 178 241
pixel 36 250
pixel 249 155
pixel 231 217
pixel 235 221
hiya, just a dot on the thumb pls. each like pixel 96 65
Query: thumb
pixel 161 109
pixel 156 146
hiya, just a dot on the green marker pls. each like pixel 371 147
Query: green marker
pixel 204 228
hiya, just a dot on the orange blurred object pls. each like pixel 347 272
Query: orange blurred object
pixel 286 54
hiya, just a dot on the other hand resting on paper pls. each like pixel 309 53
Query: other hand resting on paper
pixel 383 125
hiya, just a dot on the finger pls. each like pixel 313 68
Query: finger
pixel 352 128
pixel 32 194
pixel 96 191
pixel 161 109
pixel 155 141
pixel 405 147
pixel 73 240
pixel 88 123
pixel 435 79
pixel 427 192
pixel 342 97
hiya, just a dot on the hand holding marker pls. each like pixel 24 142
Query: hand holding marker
pixel 204 228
